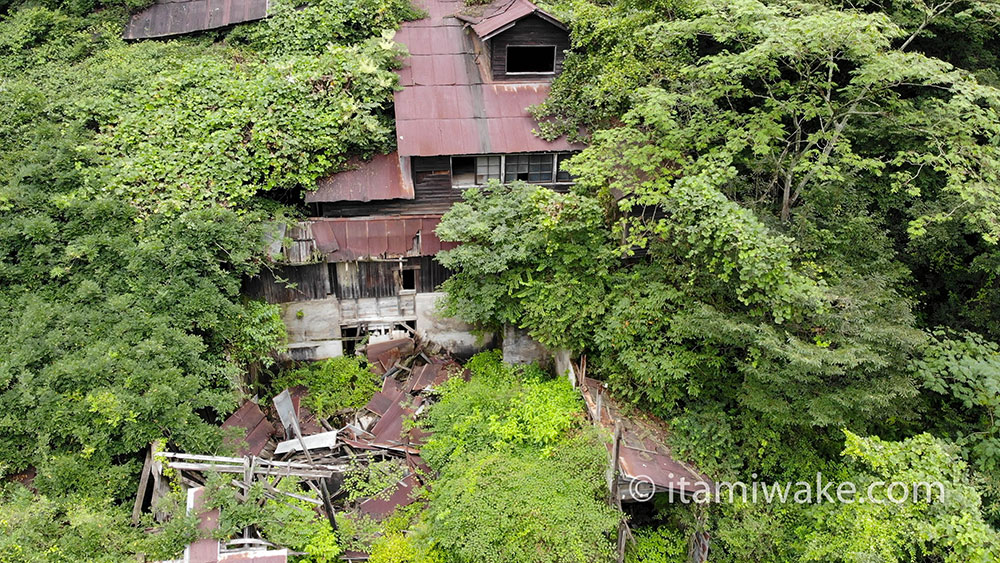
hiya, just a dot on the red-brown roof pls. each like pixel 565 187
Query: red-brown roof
pixel 382 177
pixel 499 15
pixel 357 238
pixel 175 17
pixel 446 106
pixel 644 455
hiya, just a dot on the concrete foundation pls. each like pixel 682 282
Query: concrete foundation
pixel 315 327
pixel 519 348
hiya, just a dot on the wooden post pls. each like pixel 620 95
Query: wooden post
pixel 327 504
pixel 699 543
pixel 147 468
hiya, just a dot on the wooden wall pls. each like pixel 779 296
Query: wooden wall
pixel 531 30
pixel 432 194
pixel 289 283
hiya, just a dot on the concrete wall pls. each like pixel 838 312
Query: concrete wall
pixel 519 348
pixel 314 327
pixel 453 335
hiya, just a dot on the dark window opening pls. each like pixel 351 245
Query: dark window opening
pixel 474 170
pixel 409 279
pixel 463 171
pixel 350 337
pixel 561 174
pixel 531 59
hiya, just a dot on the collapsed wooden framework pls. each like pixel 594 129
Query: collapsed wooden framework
pixel 294 443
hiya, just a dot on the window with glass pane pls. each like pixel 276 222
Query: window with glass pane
pixel 487 168
pixel 561 174
pixel 529 168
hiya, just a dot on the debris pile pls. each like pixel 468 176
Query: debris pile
pixel 287 440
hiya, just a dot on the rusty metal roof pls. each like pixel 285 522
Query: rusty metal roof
pixel 175 17
pixel 256 427
pixel 498 16
pixel 448 105
pixel 359 238
pixel 385 176
pixel 644 455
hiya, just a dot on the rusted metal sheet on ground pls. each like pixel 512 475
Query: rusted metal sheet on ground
pixel 381 178
pixel 402 495
pixel 170 17
pixel 258 430
pixel 644 456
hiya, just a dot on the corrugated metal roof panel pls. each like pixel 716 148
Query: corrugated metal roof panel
pixel 166 17
pixel 643 455
pixel 445 107
pixel 344 239
pixel 383 177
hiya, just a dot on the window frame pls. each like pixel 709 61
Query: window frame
pixel 506 72
pixel 475 169
pixel 528 155
pixel 553 168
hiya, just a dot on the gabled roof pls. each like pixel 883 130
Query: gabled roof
pixel 175 17
pixel 501 15
pixel 445 106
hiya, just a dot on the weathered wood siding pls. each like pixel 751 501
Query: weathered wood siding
pixel 289 283
pixel 532 30
pixel 432 194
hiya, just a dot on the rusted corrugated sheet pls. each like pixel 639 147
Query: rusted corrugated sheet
pixel 359 238
pixel 446 107
pixel 382 177
pixel 256 427
pixel 402 495
pixel 643 455
pixel 172 17
pixel 499 15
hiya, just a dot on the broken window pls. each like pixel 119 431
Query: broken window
pixel 531 59
pixel 474 170
pixel 463 170
pixel 529 168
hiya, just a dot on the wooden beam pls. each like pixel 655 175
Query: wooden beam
pixel 147 468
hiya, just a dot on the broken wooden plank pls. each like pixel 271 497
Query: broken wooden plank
pixel 314 442
pixel 147 468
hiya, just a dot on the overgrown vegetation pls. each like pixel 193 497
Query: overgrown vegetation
pixel 137 183
pixel 521 477
pixel 782 240
pixel 784 226
pixel 335 384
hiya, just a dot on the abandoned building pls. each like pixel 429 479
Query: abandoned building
pixel 363 263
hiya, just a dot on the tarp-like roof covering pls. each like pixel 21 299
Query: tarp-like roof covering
pixel 382 177
pixel 175 17
pixel 446 107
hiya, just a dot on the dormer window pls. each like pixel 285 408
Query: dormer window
pixel 531 59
